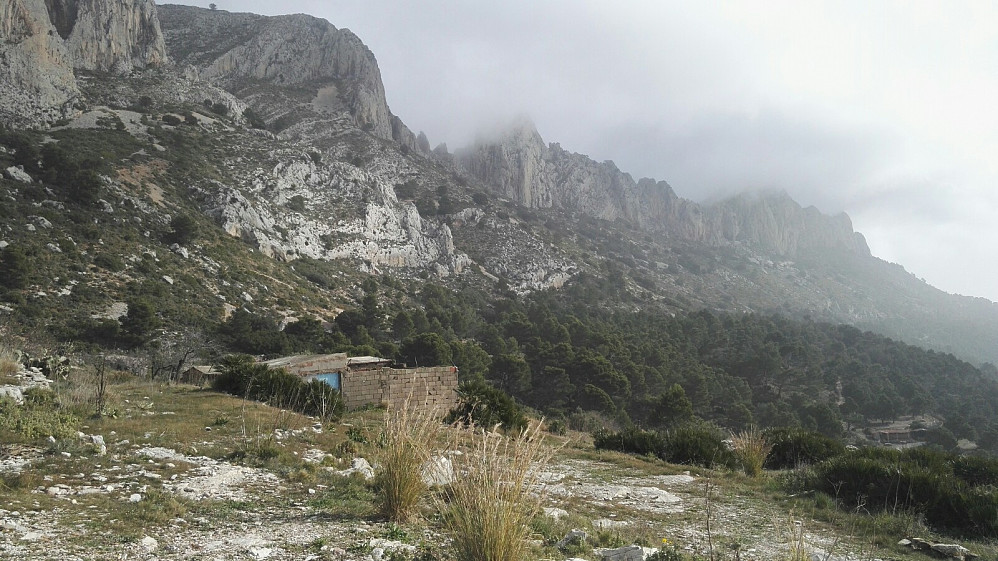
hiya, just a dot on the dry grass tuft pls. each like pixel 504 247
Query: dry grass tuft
pixel 495 495
pixel 406 444
pixel 751 447
pixel 791 533
pixel 8 364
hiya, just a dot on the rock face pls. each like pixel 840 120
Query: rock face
pixel 38 83
pixel 110 35
pixel 43 41
pixel 518 165
pixel 236 50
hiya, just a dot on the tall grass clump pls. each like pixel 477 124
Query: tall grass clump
pixel 408 440
pixel 8 362
pixel 792 533
pixel 751 447
pixel 495 495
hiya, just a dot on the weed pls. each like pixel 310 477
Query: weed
pixel 408 435
pixel 792 532
pixel 8 365
pixel 157 507
pixel 354 434
pixel 345 496
pixel 751 448
pixel 395 532
pixel 488 509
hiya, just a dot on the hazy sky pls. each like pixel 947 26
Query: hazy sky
pixel 884 110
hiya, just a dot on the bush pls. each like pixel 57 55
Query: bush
pixel 923 482
pixel 15 268
pixel 486 406
pixel 37 418
pixel 631 440
pixel 184 229
pixel 694 443
pixel 795 447
pixel 241 376
pixel 109 262
pixel 172 120
pixel 698 444
pixel 976 470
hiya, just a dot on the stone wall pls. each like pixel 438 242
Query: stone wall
pixel 432 388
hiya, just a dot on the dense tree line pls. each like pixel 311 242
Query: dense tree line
pixel 648 368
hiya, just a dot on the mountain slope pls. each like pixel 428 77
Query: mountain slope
pixel 274 133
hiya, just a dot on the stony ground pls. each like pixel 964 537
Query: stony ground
pixel 231 480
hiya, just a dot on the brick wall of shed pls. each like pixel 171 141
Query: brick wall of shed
pixel 432 388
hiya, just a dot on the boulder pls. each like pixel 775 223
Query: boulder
pixel 13 393
pixel 575 536
pixel 358 465
pixel 149 544
pixel 438 471
pixel 17 173
pixel 952 550
pixel 626 553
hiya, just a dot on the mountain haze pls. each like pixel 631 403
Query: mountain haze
pixel 298 157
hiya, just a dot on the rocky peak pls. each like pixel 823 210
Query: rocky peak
pixel 514 164
pixel 517 164
pixel 774 221
pixel 236 50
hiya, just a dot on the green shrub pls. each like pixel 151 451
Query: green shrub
pixel 15 268
pixel 241 376
pixel 699 444
pixel 37 418
pixel 795 447
pixel 922 482
pixel 109 262
pixel 631 440
pixel 184 230
pixel 976 470
pixel 486 406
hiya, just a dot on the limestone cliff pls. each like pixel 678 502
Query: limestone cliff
pixel 110 35
pixel 517 164
pixel 238 50
pixel 36 72
pixel 43 41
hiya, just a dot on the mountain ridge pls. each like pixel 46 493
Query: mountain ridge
pixel 519 165
pixel 311 169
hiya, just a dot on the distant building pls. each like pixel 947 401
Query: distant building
pixel 199 375
pixel 368 380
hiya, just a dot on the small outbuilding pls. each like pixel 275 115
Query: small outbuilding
pixel 368 380
pixel 199 375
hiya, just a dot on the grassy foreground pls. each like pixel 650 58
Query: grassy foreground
pixel 249 478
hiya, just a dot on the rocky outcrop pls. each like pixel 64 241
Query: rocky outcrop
pixel 517 164
pixel 236 50
pixel 38 83
pixel 386 233
pixel 43 41
pixel 776 222
pixel 110 35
